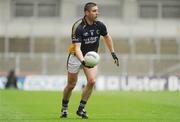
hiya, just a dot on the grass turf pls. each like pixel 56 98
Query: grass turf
pixel 44 106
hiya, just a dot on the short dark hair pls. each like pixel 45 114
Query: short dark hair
pixel 89 5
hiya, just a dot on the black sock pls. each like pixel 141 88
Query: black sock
pixel 65 104
pixel 81 105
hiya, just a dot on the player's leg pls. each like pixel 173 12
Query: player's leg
pixel 73 66
pixel 72 79
pixel 91 74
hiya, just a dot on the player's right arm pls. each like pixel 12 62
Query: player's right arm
pixel 78 51
pixel 75 47
pixel 76 36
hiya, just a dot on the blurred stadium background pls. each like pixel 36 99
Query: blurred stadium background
pixel 35 34
pixel 34 37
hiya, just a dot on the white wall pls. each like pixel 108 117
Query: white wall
pixel 130 25
pixel 5 10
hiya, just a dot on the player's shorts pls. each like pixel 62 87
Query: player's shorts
pixel 73 64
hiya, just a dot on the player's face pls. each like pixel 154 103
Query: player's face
pixel 93 13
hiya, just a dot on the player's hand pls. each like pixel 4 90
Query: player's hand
pixel 84 64
pixel 116 61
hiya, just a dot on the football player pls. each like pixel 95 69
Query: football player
pixel 86 34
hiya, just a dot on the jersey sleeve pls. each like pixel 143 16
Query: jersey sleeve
pixel 103 29
pixel 76 34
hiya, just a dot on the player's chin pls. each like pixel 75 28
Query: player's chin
pixel 95 19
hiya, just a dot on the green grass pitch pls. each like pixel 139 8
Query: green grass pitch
pixel 44 106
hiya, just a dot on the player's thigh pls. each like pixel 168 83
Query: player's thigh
pixel 73 67
pixel 72 78
pixel 91 73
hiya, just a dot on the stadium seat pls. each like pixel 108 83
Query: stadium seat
pixel 164 64
pixel 137 66
pixel 2 48
pixel 107 67
pixel 63 45
pixel 145 46
pixel 31 65
pixel 56 65
pixel 7 64
pixel 168 46
pixel 19 45
pixel 44 45
pixel 121 45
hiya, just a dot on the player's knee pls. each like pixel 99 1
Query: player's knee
pixel 91 81
pixel 71 86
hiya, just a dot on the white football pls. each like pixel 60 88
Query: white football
pixel 92 58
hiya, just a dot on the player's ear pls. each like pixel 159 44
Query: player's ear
pixel 86 13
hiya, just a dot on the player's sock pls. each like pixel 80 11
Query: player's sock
pixel 81 105
pixel 81 112
pixel 65 104
pixel 64 109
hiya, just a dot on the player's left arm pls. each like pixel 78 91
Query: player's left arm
pixel 109 43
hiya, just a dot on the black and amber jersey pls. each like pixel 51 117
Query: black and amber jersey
pixel 87 35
